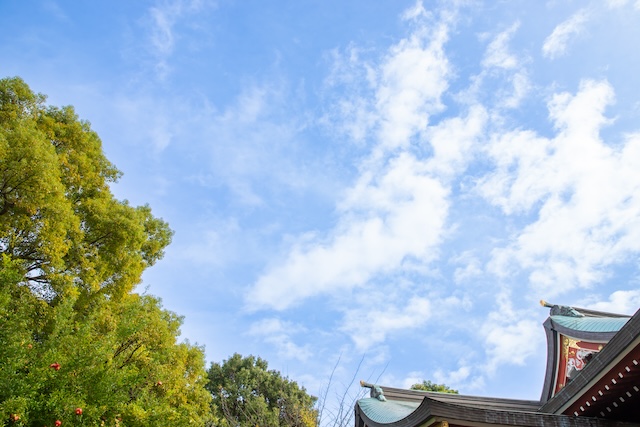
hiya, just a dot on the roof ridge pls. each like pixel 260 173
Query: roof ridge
pixel 587 312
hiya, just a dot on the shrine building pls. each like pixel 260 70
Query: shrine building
pixel 592 379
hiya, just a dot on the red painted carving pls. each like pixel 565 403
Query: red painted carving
pixel 574 356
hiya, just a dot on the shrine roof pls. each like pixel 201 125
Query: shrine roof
pixel 387 412
pixel 591 324
pixel 410 408
pixel 620 355
pixel 604 394
pixel 393 394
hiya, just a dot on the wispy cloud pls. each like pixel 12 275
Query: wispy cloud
pixel 369 326
pixel 616 3
pixel 412 80
pixel 556 43
pixel 621 3
pixel 510 335
pixel 394 212
pixel 464 376
pixel 498 54
pixel 161 21
pixel 564 196
pixel 583 190
pixel 279 333
pixel 500 60
pixel 397 207
pixel 390 99
pixel 399 213
pixel 253 146
pixel 622 302
pixel 470 267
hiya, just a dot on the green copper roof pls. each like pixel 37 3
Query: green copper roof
pixel 386 412
pixel 591 324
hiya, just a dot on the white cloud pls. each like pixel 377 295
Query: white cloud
pixel 411 82
pixel 414 12
pixel 412 378
pixel 279 334
pixel 565 188
pixel 454 141
pixel 497 53
pixel 616 3
pixel 369 326
pixel 386 218
pixel 621 3
pixel 161 21
pixel 510 337
pixel 584 191
pixel 521 86
pixel 351 113
pixel 511 342
pixel 162 38
pixel 391 99
pixel 556 43
pixel 465 377
pixel 503 81
pixel 457 379
pixel 397 207
pixel 453 377
pixel 249 147
pixel 471 267
pixel 622 302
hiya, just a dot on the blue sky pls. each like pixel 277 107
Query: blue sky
pixel 391 183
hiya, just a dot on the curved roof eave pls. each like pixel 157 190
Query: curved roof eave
pixel 590 324
pixel 432 410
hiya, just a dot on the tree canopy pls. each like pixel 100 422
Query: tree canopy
pixel 58 217
pixel 427 385
pixel 77 345
pixel 247 394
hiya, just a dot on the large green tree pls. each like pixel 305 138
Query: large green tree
pixel 57 214
pixel 247 394
pixel 77 344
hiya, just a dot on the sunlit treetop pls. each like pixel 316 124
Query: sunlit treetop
pixel 57 213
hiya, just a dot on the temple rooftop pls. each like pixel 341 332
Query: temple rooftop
pixel 592 379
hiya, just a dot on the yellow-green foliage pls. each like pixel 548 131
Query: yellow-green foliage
pixel 76 343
